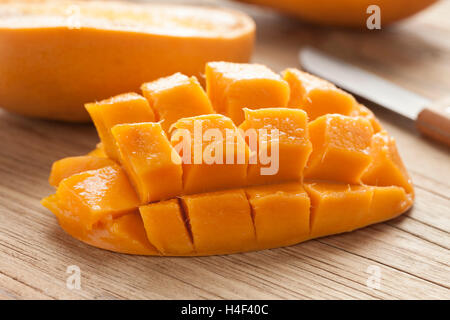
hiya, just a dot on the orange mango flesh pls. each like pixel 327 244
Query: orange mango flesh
pixel 316 96
pixel 176 97
pixel 292 142
pixel 387 167
pixel 156 204
pixel 146 155
pixel 220 222
pixel 67 167
pixel 97 195
pixel 125 108
pixel 233 86
pixel 340 148
pixel 214 173
pixel 280 213
pixel 337 208
pixel 166 227
pixel 124 234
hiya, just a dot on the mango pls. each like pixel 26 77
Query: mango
pixel 124 234
pixel 232 86
pixel 348 13
pixel 97 195
pixel 72 52
pixel 150 161
pixel 387 203
pixel 166 227
pixel 291 143
pixel 176 97
pixel 316 96
pixel 340 148
pixel 221 222
pixel 386 168
pixel 280 214
pixel 337 208
pixel 124 108
pixel 214 162
pixel 67 167
pixel 193 184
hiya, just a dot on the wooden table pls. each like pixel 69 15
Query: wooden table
pixel 412 251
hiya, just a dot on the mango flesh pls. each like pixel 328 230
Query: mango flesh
pixel 67 167
pixel 338 172
pixel 97 195
pixel 220 222
pixel 387 168
pixel 210 172
pixel 125 234
pixel 316 96
pixel 340 148
pixel 233 86
pixel 176 97
pixel 291 139
pixel 166 227
pixel 337 208
pixel 280 214
pixel 125 108
pixel 148 158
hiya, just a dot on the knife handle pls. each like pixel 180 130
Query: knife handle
pixel 434 122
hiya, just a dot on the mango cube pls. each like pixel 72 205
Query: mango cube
pixel 150 161
pixel 233 86
pixel 221 222
pixel 213 152
pixel 176 97
pixel 69 166
pixel 124 108
pixel 337 208
pixel 387 168
pixel 291 145
pixel 340 148
pixel 316 96
pixel 166 227
pixel 387 203
pixel 280 213
pixel 97 195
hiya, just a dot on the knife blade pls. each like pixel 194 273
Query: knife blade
pixel 430 121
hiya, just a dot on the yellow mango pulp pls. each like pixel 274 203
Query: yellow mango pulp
pixel 177 193
pixel 150 161
pixel 124 108
pixel 233 86
pixel 176 97
pixel 67 167
pixel 280 214
pixel 386 168
pixel 200 173
pixel 340 148
pixel 337 208
pixel 316 96
pixel 166 227
pixel 221 222
pixel 291 140
pixel 97 195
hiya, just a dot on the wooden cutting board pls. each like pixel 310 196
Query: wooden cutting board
pixel 411 252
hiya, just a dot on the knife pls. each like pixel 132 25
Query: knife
pixel 429 117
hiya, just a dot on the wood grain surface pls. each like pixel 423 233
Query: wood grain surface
pixel 411 251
